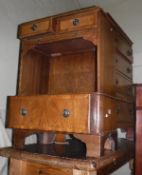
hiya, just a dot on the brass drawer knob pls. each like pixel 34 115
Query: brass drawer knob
pixel 66 113
pixel 128 70
pixel 129 53
pixel 76 22
pixel 34 27
pixel 108 114
pixel 23 111
pixel 116 82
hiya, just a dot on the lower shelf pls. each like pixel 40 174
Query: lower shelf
pixel 45 155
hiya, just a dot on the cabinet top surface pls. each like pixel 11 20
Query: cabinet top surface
pixel 51 21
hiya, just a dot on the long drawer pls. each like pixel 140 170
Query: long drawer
pixel 124 47
pixel 123 66
pixel 53 113
pixel 81 113
pixel 123 87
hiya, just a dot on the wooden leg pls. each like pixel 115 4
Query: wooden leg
pixel 46 138
pixel 96 144
pixel 131 166
pixel 19 138
pixel 15 167
pixel 83 172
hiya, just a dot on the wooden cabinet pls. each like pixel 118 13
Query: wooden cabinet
pixel 75 77
pixel 138 147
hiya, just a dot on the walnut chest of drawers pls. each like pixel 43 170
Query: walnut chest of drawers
pixel 75 77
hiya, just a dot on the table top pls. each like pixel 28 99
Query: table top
pixel 47 154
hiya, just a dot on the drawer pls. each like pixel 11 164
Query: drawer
pixel 125 114
pixel 123 86
pixel 124 48
pixel 29 168
pixel 81 113
pixel 70 113
pixel 123 66
pixel 35 28
pixel 74 22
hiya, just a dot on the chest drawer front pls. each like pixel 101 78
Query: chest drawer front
pixel 41 169
pixel 74 22
pixel 68 113
pixel 124 48
pixel 35 28
pixel 123 87
pixel 123 66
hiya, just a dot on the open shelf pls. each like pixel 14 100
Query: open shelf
pixel 62 67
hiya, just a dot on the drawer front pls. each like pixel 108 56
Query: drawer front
pixel 123 66
pixel 35 28
pixel 29 168
pixel 70 113
pixel 74 22
pixel 124 48
pixel 123 87
pixel 125 114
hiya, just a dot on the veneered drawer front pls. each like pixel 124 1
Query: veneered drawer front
pixel 123 66
pixel 35 28
pixel 77 21
pixel 124 48
pixel 70 113
pixel 123 87
pixel 29 168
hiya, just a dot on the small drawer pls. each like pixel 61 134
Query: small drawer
pixel 29 168
pixel 123 66
pixel 35 28
pixel 70 113
pixel 74 22
pixel 125 114
pixel 123 87
pixel 124 48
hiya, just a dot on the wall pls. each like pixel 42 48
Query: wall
pixel 12 13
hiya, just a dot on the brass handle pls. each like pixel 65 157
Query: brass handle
pixel 117 82
pixel 128 70
pixel 23 111
pixel 66 113
pixel 129 53
pixel 116 60
pixel 118 110
pixel 76 22
pixel 34 27
pixel 108 114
